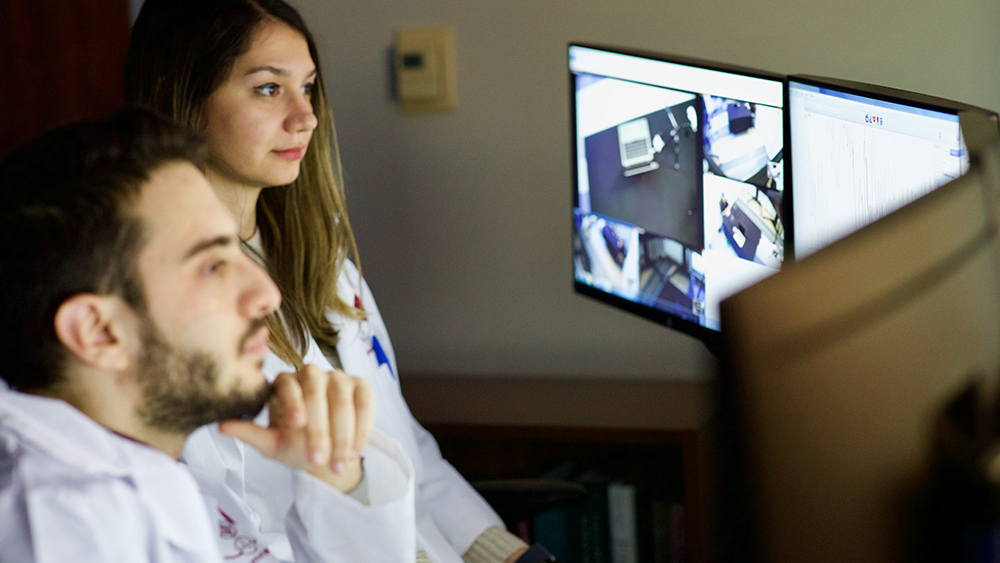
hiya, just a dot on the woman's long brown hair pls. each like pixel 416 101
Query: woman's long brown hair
pixel 180 52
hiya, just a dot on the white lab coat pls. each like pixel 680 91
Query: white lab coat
pixel 71 490
pixel 450 514
pixel 297 517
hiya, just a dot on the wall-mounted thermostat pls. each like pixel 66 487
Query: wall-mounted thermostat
pixel 424 61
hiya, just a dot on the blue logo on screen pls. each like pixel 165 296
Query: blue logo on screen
pixel 873 119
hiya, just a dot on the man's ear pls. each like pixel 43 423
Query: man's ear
pixel 97 329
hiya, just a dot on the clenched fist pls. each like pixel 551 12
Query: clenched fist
pixel 319 422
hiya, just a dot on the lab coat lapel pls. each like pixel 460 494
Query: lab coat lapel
pixel 174 500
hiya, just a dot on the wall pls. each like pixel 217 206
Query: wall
pixel 463 219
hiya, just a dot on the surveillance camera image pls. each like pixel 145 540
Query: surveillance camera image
pixel 679 189
pixel 743 156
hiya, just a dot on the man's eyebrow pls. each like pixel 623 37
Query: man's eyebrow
pixel 275 70
pixel 222 240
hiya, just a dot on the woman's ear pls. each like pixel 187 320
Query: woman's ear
pixel 97 330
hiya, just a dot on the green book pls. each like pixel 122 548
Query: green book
pixel 589 526
pixel 550 528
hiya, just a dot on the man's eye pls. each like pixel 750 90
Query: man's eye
pixel 269 89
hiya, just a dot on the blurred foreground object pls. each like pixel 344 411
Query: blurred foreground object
pixel 837 368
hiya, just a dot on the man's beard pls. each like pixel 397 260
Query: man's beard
pixel 180 390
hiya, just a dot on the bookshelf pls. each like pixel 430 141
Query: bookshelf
pixel 642 433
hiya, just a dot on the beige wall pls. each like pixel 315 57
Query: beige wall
pixel 463 219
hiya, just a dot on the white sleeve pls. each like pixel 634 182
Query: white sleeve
pixel 325 525
pixel 317 523
pixel 103 521
pixel 459 511
pixel 92 523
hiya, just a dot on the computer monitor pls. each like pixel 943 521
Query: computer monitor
pixel 859 152
pixel 678 169
pixel 838 367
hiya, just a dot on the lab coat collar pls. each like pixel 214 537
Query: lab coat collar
pixel 88 449
pixel 63 433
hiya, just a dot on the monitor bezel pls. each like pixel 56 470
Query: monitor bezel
pixel 710 337
pixel 873 91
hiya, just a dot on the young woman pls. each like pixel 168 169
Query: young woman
pixel 246 74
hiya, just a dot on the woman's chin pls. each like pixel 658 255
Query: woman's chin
pixel 276 180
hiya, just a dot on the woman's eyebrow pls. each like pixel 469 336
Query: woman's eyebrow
pixel 275 70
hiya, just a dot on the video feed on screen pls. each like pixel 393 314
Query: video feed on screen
pixel 679 181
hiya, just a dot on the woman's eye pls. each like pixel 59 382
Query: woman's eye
pixel 308 88
pixel 214 267
pixel 269 89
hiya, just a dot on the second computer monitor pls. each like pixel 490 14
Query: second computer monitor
pixel 859 152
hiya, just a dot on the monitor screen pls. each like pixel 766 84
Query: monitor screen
pixel 859 152
pixel 678 182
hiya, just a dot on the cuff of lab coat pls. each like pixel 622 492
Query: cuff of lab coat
pixel 387 477
pixel 494 545
pixel 360 491
pixel 321 516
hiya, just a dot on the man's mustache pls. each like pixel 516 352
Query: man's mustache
pixel 254 327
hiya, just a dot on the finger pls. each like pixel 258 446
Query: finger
pixel 287 406
pixel 263 440
pixel 343 419
pixel 314 383
pixel 364 405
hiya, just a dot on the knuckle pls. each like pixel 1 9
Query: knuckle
pixel 340 377
pixel 313 379
pixel 341 401
pixel 341 384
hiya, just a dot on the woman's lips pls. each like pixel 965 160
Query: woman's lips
pixel 294 153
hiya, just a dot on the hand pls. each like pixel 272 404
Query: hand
pixel 319 422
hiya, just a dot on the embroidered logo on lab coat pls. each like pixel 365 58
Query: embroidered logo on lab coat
pixel 244 545
pixel 376 346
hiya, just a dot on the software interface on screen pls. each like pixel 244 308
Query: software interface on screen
pixel 679 181
pixel 855 159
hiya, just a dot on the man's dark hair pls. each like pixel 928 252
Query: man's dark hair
pixel 66 228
